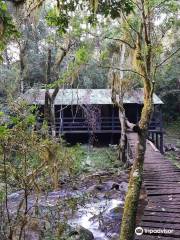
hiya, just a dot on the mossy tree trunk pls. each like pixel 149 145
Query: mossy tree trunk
pixel 49 107
pixel 122 113
pixel 122 145
pixel 142 61
pixel 120 85
pixel 23 48
pixel 136 176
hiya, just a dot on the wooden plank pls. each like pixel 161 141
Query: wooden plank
pixel 170 205
pixel 162 214
pixel 160 219
pixel 162 170
pixel 160 187
pixel 170 179
pixel 170 208
pixel 169 176
pixel 161 183
pixel 165 198
pixel 162 192
pixel 163 209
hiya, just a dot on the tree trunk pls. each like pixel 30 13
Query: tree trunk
pixel 52 120
pixel 49 113
pixel 132 197
pixel 122 145
pixel 22 54
pixel 49 108
pixel 122 114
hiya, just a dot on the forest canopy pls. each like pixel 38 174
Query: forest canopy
pixel 48 24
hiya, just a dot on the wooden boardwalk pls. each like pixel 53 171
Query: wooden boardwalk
pixel 162 184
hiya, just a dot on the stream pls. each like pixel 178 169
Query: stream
pixel 91 217
pixel 98 210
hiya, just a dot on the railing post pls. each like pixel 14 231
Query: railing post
pixel 161 134
pixel 157 141
pixel 161 121
pixel 161 143
pixel 113 118
pixel 62 121
pixel 153 137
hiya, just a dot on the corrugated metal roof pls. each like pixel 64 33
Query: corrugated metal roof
pixel 84 96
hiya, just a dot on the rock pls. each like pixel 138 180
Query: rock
pixel 74 233
pixel 114 236
pixel 15 196
pixel 110 185
pixel 123 186
pixel 115 186
pixel 116 212
pixel 96 188
pixel 85 234
pixel 170 147
pixel 113 147
pixel 81 233
pixel 29 235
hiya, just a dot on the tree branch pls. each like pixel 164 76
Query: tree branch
pixel 165 60
pixel 158 5
pixel 114 39
pixel 115 68
pixel 125 19
pixel 121 40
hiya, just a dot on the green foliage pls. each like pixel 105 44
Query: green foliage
pixel 168 85
pixel 77 154
pixel 57 19
pixel 8 29
pixel 114 8
pixel 2 196
pixel 39 154
pixel 3 131
pixel 60 16
pixel 9 80
pixel 30 162
pixel 172 5
pixel 104 55
pixel 82 55
pixel 91 158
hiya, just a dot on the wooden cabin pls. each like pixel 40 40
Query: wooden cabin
pixel 81 112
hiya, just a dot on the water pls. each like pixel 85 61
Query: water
pixel 89 216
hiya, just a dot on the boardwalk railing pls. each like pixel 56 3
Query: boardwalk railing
pixel 104 125
pixel 157 138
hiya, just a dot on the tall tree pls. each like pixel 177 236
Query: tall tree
pixel 120 85
pixel 146 49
